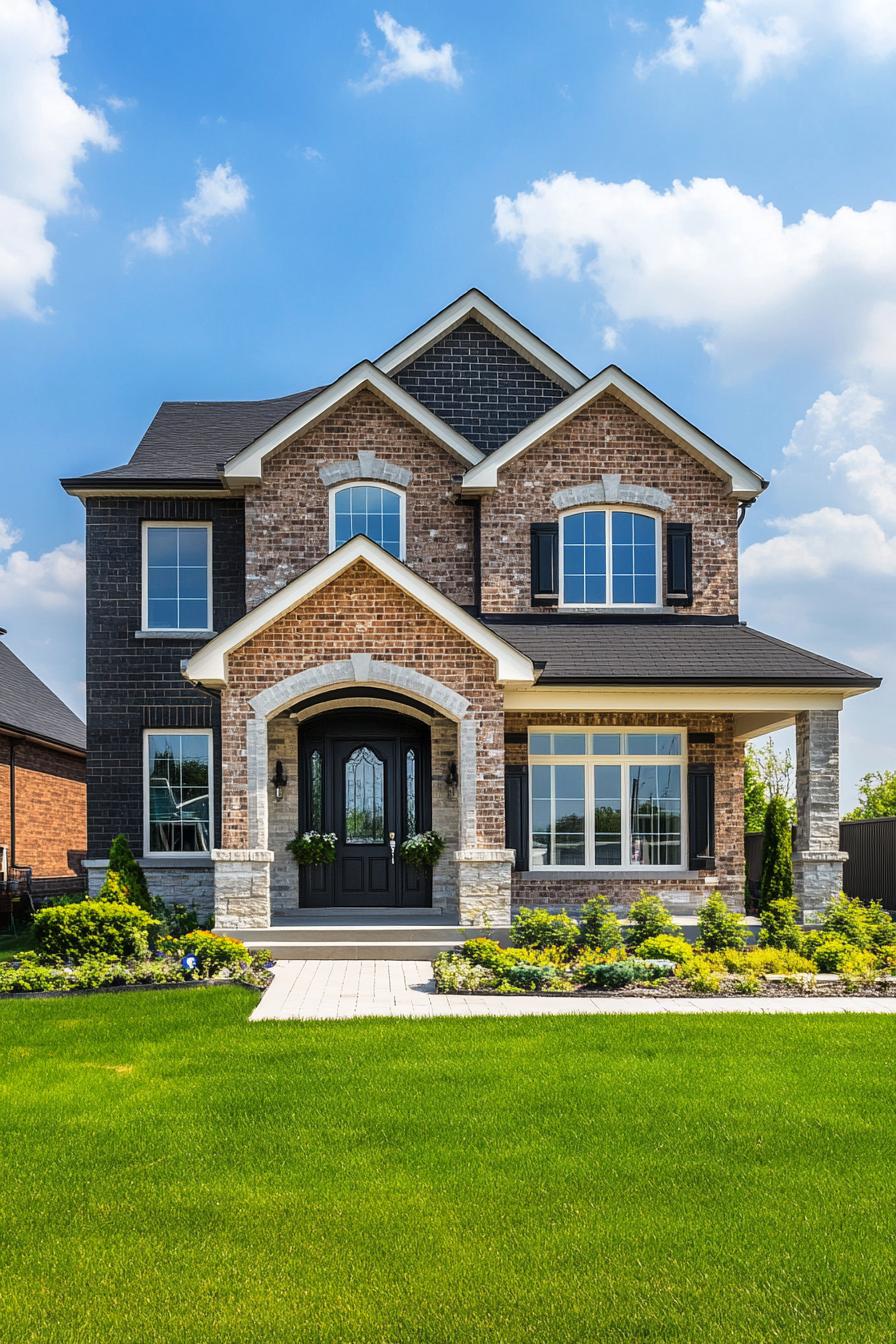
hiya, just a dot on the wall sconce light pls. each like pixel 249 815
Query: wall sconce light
pixel 451 778
pixel 279 781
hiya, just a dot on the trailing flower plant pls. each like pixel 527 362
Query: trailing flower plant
pixel 424 850
pixel 313 847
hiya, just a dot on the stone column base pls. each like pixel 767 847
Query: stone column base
pixel 483 885
pixel 242 888
pixel 817 879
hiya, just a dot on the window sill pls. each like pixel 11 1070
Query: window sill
pixel 175 634
pixel 644 874
pixel 647 610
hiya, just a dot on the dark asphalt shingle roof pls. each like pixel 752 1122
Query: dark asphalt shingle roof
pixel 687 651
pixel 28 706
pixel 188 440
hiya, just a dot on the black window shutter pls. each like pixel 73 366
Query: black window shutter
pixel 544 567
pixel 701 817
pixel 516 814
pixel 679 577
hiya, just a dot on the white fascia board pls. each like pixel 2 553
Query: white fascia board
pixel 476 304
pixel 246 465
pixel 743 483
pixel 209 664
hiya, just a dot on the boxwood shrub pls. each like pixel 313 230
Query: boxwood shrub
pixel 93 929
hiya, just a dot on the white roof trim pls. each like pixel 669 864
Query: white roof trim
pixel 742 482
pixel 246 464
pixel 476 304
pixel 209 664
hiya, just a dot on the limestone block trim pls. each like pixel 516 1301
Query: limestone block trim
pixel 359 669
pixel 610 490
pixel 484 879
pixel 242 888
pixel 365 466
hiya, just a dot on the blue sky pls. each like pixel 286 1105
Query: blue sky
pixel 327 179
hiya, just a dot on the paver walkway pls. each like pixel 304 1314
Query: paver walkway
pixel 328 989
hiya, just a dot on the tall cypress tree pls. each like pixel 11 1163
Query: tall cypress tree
pixel 776 882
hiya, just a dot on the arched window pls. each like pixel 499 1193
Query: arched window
pixel 609 558
pixel 373 511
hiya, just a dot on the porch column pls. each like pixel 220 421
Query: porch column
pixel 817 860
pixel 242 888
pixel 483 873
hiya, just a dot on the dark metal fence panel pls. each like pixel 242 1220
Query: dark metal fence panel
pixel 869 872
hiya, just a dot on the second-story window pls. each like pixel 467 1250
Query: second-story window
pixel 372 511
pixel 609 558
pixel 177 584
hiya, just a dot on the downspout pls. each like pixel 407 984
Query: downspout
pixel 742 507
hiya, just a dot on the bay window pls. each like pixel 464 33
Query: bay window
pixel 607 799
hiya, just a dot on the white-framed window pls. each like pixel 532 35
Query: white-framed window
pixel 609 557
pixel 178 788
pixel 177 576
pixel 607 798
pixel 369 510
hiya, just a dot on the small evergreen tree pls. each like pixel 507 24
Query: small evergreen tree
pixel 779 926
pixel 755 797
pixel 776 881
pixel 648 918
pixel 125 879
pixel 720 928
pixel 601 930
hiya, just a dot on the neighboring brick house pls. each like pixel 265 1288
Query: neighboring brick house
pixel 463 586
pixel 43 795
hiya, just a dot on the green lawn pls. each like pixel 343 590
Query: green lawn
pixel 172 1173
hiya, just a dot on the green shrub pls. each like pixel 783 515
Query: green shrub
pixel 213 952
pixel 529 977
pixel 125 882
pixel 483 952
pixel 776 878
pixel 881 927
pixel 93 929
pixel 648 918
pixel 666 945
pixel 615 974
pixel 455 975
pixel 700 975
pixel 847 917
pixel 601 930
pixel 748 983
pixel 779 927
pixel 28 976
pixel 719 927
pixel 541 929
pixel 830 951
pixel 859 969
pixel 772 961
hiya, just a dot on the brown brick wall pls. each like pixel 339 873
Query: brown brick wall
pixel 51 808
pixel 607 437
pixel 287 518
pixel 361 612
pixel 724 753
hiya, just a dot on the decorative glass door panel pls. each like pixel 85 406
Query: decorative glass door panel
pixel 364 802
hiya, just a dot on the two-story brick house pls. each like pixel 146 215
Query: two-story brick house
pixel 465 587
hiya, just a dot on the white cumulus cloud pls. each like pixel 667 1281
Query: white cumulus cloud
pixel 219 193
pixel 42 608
pixel 44 135
pixel 408 54
pixel 759 38
pixel 706 255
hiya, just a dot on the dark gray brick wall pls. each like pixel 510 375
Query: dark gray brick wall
pixel 479 386
pixel 132 683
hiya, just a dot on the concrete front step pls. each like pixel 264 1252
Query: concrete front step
pixel 361 950
pixel 372 942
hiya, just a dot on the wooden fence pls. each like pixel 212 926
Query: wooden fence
pixel 870 871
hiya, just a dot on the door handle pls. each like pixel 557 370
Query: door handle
pixel 392 846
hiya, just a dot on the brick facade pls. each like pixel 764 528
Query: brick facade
pixel 683 893
pixel 287 516
pixel 361 612
pixel 50 808
pixel 133 683
pixel 607 437
pixel 479 385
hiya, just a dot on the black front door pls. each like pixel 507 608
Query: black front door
pixel 363 780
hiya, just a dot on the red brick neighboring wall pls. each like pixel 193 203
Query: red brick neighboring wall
pixel 724 753
pixel 362 612
pixel 287 515
pixel 607 437
pixel 51 808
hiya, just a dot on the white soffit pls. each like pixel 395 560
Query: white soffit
pixel 247 464
pixel 476 304
pixel 742 481
pixel 209 664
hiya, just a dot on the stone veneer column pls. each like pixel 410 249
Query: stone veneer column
pixel 242 888
pixel 483 873
pixel 818 860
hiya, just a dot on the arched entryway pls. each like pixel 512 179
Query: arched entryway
pixel 365 776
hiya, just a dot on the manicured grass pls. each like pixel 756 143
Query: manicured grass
pixel 11 944
pixel 172 1173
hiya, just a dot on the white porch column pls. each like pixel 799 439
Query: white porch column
pixel 817 860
